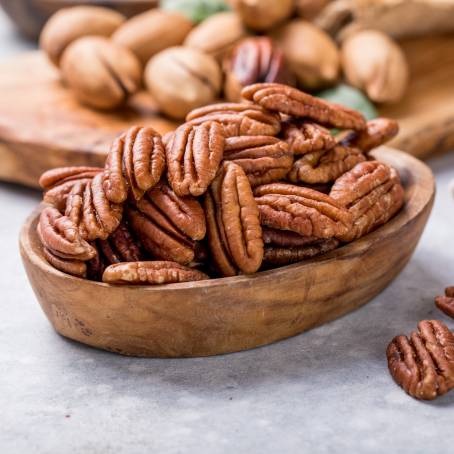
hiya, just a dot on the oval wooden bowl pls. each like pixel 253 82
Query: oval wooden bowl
pixel 232 314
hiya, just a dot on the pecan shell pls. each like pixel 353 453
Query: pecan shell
pixel 378 131
pixel 372 193
pixel 263 158
pixel 238 119
pixel 423 364
pixel 325 166
pixel 280 256
pixel 233 225
pixel 150 273
pixel 168 225
pixel 446 303
pixel 302 210
pixel 135 162
pixel 305 137
pixel 193 157
pixel 254 60
pixel 291 101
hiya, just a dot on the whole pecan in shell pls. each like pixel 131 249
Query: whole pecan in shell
pixel 291 101
pixel 423 364
pixel 372 193
pixel 233 225
pixel 238 119
pixel 168 225
pixel 135 162
pixel 305 137
pixel 446 303
pixel 280 256
pixel 302 210
pixel 378 131
pixel 263 158
pixel 193 157
pixel 253 60
pixel 325 166
pixel 150 273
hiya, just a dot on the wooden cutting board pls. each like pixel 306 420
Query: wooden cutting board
pixel 43 126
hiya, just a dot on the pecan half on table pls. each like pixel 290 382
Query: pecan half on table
pixel 263 158
pixel 291 101
pixel 150 273
pixel 193 156
pixel 168 225
pixel 233 225
pixel 423 364
pixel 238 119
pixel 372 193
pixel 446 303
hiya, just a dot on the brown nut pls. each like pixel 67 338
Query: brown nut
pixel 446 303
pixel 264 158
pixel 280 256
pixel 69 24
pixel 423 364
pixel 150 273
pixel 233 226
pixel 286 238
pixel 193 157
pixel 100 73
pixel 238 119
pixel 305 137
pixel 378 131
pixel 69 266
pixel 254 60
pixel 181 79
pixel 135 163
pixel 261 15
pixel 61 236
pixel 301 210
pixel 372 193
pixel 373 62
pixel 152 31
pixel 168 225
pixel 325 166
pixel 217 35
pixel 293 102
pixel 311 54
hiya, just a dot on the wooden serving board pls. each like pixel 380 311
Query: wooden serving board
pixel 43 126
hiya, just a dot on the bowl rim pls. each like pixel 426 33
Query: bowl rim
pixel 419 185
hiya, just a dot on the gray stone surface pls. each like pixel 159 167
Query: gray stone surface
pixel 325 391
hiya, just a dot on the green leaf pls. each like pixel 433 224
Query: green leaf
pixel 196 10
pixel 350 97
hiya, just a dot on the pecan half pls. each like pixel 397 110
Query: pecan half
pixel 423 364
pixel 305 137
pixel 168 225
pixel 193 157
pixel 238 119
pixel 286 238
pixel 136 162
pixel 150 273
pixel 234 232
pixel 263 158
pixel 325 166
pixel 378 131
pixel 253 60
pixel 74 267
pixel 302 210
pixel 279 256
pixel 446 303
pixel 291 101
pixel 372 193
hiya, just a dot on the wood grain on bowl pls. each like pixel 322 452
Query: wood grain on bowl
pixel 31 15
pixel 231 314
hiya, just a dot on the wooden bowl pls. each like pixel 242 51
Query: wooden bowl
pixel 231 314
pixel 31 15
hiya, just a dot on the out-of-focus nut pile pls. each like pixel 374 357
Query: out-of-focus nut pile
pixel 237 188
pixel 186 65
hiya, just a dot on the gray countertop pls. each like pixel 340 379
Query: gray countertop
pixel 325 391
